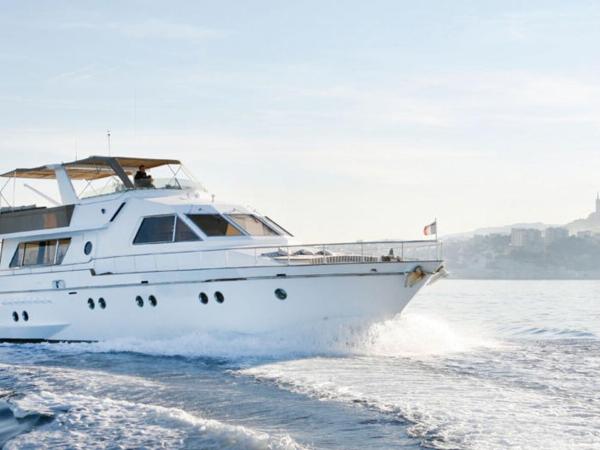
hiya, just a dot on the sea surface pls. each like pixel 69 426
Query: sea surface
pixel 468 365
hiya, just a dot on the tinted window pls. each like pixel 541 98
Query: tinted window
pixel 183 232
pixel 30 253
pixel 252 225
pixel 155 229
pixel 214 225
pixel 63 245
pixel 17 258
pixel 40 253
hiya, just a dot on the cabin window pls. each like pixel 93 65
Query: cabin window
pixel 163 229
pixel 61 251
pixel 252 225
pixel 40 253
pixel 17 259
pixel 214 225
pixel 183 233
pixel 155 229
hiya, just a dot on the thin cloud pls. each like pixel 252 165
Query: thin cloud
pixel 151 29
pixel 534 25
pixel 86 72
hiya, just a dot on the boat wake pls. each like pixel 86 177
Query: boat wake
pixel 90 422
pixel 81 409
pixel 506 396
pixel 13 424
pixel 99 405
pixel 410 335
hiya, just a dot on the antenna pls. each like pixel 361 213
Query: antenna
pixel 135 115
pixel 108 140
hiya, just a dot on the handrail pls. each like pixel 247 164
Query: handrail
pixel 362 251
pixel 275 246
pixel 402 246
pixel 321 244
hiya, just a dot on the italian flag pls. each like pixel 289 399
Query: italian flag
pixel 430 229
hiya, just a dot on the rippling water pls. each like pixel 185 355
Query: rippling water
pixel 469 365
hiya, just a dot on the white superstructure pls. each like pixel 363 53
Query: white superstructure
pixel 158 258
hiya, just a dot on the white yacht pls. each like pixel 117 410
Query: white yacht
pixel 155 258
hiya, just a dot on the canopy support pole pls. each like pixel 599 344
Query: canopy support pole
pixel 68 195
pixel 112 162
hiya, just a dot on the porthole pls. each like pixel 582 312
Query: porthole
pixel 102 303
pixel 91 303
pixel 280 294
pixel 219 297
pixel 25 316
pixel 203 298
pixel 152 300
pixel 15 316
pixel 140 301
pixel 87 248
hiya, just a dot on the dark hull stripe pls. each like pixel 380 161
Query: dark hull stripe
pixel 42 341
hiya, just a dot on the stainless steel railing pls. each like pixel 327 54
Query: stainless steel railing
pixel 260 256
pixel 338 253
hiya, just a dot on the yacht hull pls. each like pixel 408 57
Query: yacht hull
pixel 82 306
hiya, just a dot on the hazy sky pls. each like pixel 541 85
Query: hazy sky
pixel 342 120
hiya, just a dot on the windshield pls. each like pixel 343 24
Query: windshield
pixel 159 178
pixel 214 225
pixel 252 225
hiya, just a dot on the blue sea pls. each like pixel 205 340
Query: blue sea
pixel 468 365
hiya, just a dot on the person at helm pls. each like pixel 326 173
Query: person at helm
pixel 142 179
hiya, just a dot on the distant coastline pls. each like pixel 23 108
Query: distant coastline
pixel 528 251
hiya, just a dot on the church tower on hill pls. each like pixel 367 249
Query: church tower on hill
pixel 591 224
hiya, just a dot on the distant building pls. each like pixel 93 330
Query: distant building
pixel 554 234
pixel 525 237
pixel 584 234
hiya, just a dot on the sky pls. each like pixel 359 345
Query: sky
pixel 341 120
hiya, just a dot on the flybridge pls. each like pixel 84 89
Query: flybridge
pixel 116 171
pixel 93 168
pixel 90 169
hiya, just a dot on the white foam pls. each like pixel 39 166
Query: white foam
pixel 91 422
pixel 449 404
pixel 415 334
pixel 87 418
pixel 412 334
